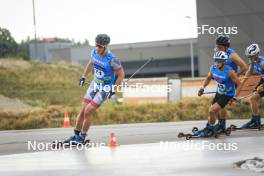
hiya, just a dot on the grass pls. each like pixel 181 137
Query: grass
pixel 187 109
pixel 42 84
pixel 53 89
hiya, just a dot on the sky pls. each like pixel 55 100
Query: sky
pixel 125 21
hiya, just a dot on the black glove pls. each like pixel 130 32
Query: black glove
pixel 82 81
pixel 200 92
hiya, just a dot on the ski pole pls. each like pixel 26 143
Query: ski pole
pixel 140 68
pixel 209 92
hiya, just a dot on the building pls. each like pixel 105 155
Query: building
pixel 173 56
pixel 42 51
pixel 247 16
pixel 170 57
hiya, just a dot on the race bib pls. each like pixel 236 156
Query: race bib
pixel 221 88
pixel 98 73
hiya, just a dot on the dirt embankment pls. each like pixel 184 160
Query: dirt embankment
pixel 12 104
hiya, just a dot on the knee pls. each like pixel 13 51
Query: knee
pixel 211 110
pixel 223 110
pixel 253 99
pixel 87 111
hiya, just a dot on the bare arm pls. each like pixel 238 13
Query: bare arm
pixel 249 71
pixel 120 76
pixel 88 69
pixel 207 79
pixel 237 60
pixel 205 83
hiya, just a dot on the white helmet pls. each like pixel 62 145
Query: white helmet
pixel 252 50
pixel 220 56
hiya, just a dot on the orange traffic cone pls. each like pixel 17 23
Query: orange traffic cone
pixel 113 142
pixel 66 123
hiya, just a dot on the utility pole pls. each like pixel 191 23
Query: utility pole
pixel 191 45
pixel 35 29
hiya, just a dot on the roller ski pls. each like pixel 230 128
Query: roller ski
pixel 72 141
pixel 189 136
pixel 219 129
pixel 235 128
pixel 253 124
pixel 207 132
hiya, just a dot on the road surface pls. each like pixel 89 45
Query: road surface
pixel 145 149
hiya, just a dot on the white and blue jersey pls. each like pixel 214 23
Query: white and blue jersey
pixel 225 86
pixel 104 75
pixel 229 62
pixel 104 67
pixel 257 66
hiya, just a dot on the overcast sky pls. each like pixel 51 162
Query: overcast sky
pixel 125 21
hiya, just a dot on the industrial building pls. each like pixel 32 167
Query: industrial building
pixel 173 56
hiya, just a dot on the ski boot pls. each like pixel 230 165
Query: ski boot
pixel 255 122
pixel 205 133
pixel 220 128
pixel 75 139
pixel 67 142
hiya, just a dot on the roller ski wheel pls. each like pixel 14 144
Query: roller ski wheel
pixel 215 135
pixel 228 131
pixel 195 129
pixel 189 136
pixel 87 141
pixel 180 135
pixel 233 127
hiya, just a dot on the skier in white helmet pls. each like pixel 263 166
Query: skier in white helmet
pixel 256 68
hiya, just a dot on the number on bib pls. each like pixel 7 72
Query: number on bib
pixel 98 73
pixel 221 88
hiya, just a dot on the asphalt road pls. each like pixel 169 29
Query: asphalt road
pixel 142 151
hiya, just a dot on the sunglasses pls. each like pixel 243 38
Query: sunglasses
pixel 99 46
pixel 220 61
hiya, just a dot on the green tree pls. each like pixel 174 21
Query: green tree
pixel 23 50
pixel 8 46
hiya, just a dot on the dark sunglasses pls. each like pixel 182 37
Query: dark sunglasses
pixel 99 46
pixel 219 61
